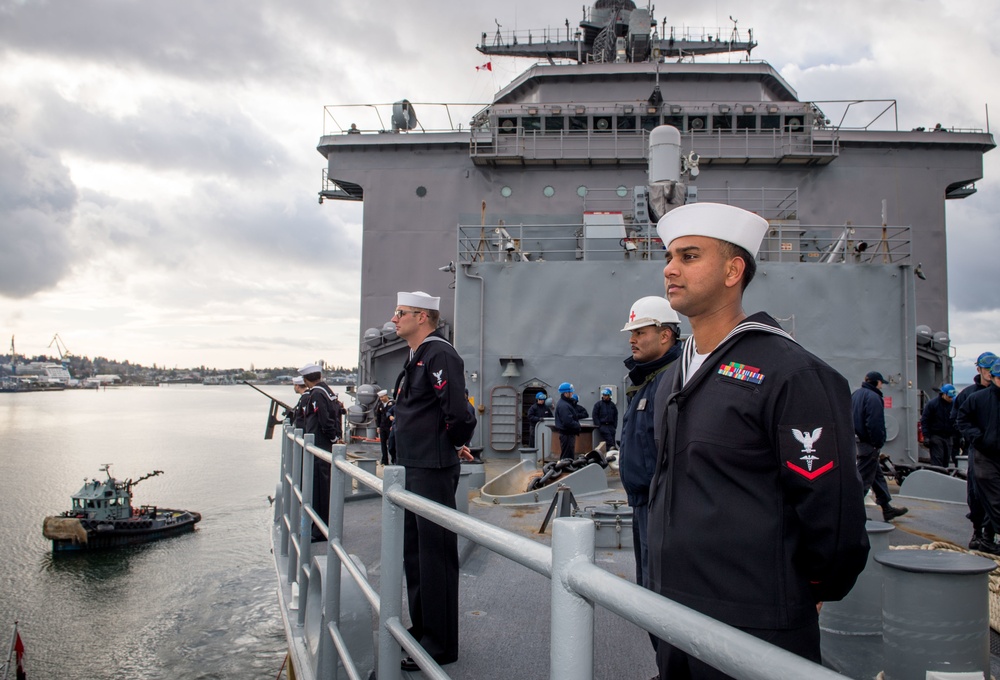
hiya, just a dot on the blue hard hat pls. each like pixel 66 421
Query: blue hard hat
pixel 565 387
pixel 995 369
pixel 540 395
pixel 606 392
pixel 986 360
pixel 575 397
pixel 948 390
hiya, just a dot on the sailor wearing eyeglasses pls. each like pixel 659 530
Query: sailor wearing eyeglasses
pixel 431 428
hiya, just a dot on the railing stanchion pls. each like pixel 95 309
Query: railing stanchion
pixel 391 579
pixel 286 491
pixel 328 661
pixel 296 508
pixel 305 526
pixel 571 654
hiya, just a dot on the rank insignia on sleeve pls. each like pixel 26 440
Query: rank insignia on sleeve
pixel 742 372
pixel 808 440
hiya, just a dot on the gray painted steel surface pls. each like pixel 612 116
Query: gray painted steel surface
pixel 851 629
pixel 935 613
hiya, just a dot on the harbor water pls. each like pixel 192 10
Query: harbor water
pixel 201 605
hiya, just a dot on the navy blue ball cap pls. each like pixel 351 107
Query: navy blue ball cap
pixel 874 377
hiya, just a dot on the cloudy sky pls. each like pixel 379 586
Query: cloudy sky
pixel 158 171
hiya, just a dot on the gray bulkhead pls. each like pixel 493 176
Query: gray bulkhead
pixel 562 316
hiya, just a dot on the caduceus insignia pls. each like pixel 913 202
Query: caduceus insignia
pixel 437 375
pixel 807 439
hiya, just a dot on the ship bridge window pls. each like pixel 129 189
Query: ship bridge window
pixel 696 123
pixel 603 123
pixel 555 123
pixel 531 123
pixel 722 122
pixel 676 121
pixel 626 122
pixel 770 122
pixel 578 123
pixel 649 123
pixel 746 122
pixel 508 126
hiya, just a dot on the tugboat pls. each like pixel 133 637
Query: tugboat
pixel 103 517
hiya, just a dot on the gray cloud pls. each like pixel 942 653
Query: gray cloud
pixel 37 202
pixel 166 135
pixel 218 40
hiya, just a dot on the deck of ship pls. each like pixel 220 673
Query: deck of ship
pixel 504 608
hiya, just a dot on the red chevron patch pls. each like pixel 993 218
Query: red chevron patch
pixel 806 473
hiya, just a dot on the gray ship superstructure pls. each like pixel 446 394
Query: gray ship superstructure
pixel 535 220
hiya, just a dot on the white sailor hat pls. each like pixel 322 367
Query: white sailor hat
pixel 715 220
pixel 383 393
pixel 310 368
pixel 418 299
pixel 297 380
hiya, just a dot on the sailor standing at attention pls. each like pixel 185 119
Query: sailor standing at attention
pixel 654 328
pixel 298 413
pixel 322 420
pixel 756 445
pixel 383 424
pixel 431 428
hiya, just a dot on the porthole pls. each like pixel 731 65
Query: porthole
pixel 506 192
pixel 421 191
pixel 622 191
pixel 581 191
pixel 549 192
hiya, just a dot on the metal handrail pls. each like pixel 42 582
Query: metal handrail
pixel 787 240
pixel 577 583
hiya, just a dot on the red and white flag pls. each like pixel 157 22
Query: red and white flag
pixel 488 66
pixel 19 652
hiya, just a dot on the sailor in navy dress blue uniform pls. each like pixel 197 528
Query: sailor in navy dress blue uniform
pixel 755 511
pixel 432 425
pixel 322 420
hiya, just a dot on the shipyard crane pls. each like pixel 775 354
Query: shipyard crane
pixel 61 347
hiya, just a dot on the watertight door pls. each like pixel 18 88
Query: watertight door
pixel 503 418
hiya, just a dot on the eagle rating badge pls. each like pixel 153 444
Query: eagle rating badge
pixel 802 446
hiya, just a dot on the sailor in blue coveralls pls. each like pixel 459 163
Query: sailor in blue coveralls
pixel 755 510
pixel 605 416
pixel 567 421
pixel 654 329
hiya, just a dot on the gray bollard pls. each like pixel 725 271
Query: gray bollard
pixel 529 454
pixel 935 613
pixel 851 630
pixel 477 474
